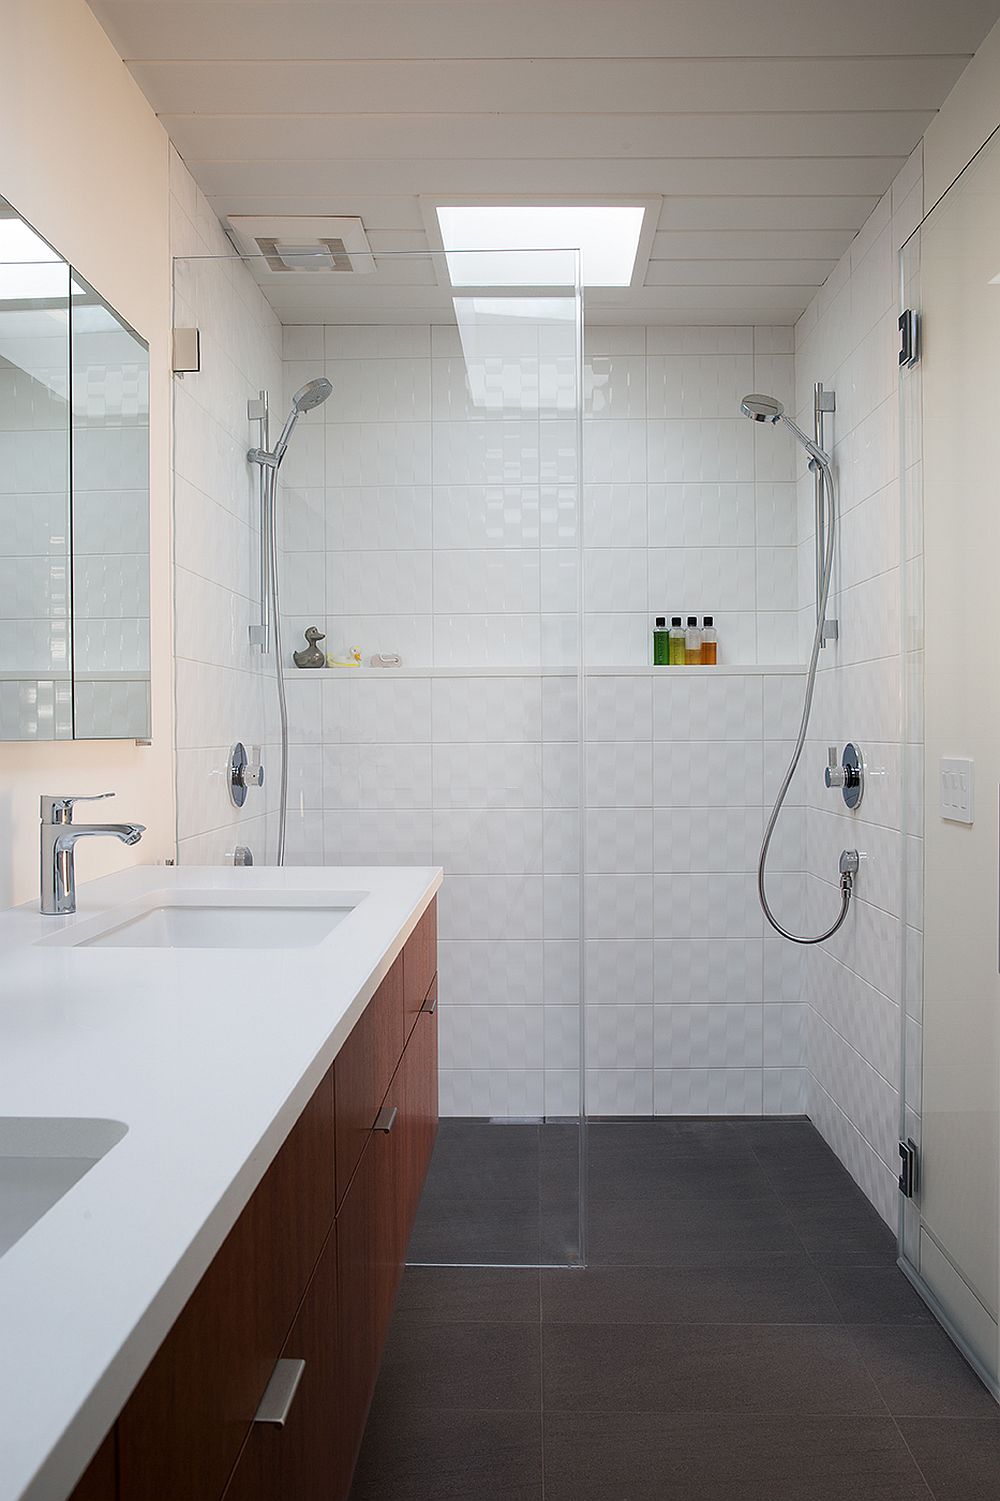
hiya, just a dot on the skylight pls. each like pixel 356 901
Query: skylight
pixel 606 236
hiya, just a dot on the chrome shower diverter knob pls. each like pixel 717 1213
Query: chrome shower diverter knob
pixel 846 773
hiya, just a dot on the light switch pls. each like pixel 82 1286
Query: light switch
pixel 956 789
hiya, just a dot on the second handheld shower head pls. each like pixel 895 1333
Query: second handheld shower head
pixel 769 409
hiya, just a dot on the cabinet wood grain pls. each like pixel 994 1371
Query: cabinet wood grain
pixel 99 1480
pixel 193 1408
pixel 419 964
pixel 297 1462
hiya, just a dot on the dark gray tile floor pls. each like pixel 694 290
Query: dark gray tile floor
pixel 741 1331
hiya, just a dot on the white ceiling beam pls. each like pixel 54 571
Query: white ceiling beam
pixel 549 86
pixel 770 211
pixel 748 176
pixel 721 273
pixel 751 245
pixel 204 29
pixel 517 137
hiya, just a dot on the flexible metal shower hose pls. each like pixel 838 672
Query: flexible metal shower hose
pixel 846 879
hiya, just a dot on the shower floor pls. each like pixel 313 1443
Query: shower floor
pixel 741 1333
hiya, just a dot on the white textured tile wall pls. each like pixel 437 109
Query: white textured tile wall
pixel 853 989
pixel 438 518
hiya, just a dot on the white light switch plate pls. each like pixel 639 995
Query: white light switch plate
pixel 956 789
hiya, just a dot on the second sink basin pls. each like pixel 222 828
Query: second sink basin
pixel 41 1157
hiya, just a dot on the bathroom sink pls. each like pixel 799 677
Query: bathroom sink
pixel 223 927
pixel 215 920
pixel 41 1157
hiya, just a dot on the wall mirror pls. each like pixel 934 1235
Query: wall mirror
pixel 74 503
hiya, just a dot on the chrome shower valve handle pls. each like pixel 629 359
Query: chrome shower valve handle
pixel 846 773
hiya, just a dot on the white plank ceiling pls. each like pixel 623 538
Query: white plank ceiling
pixel 769 127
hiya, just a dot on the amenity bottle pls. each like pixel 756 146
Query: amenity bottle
pixel 661 642
pixel 709 642
pixel 692 642
pixel 677 642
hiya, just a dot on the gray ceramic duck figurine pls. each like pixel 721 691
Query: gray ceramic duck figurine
pixel 311 656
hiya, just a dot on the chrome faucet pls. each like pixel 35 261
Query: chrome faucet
pixel 58 843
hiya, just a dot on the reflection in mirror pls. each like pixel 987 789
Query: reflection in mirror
pixel 110 509
pixel 74 503
pixel 35 682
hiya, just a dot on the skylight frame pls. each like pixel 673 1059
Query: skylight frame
pixel 651 206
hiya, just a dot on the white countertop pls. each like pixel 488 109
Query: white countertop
pixel 208 1056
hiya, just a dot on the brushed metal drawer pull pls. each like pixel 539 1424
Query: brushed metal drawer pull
pixel 276 1403
pixel 430 1006
pixel 386 1118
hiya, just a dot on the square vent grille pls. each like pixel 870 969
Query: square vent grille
pixel 304 246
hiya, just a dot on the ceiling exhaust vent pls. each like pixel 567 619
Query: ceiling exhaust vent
pixel 304 246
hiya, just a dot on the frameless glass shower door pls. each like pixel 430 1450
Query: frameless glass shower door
pixel 428 520
pixel 950 408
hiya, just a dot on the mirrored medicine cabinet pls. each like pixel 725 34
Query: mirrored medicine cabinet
pixel 74 502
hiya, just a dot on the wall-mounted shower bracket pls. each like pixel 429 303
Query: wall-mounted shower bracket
pixel 824 404
pixel 260 630
pixel 847 772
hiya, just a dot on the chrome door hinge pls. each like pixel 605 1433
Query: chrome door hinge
pixel 909 338
pixel 908 1172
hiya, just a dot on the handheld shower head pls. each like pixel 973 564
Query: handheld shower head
pixel 312 394
pixel 762 408
pixel 769 409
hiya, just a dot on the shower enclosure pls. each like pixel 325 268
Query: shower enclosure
pixel 950 1226
pixel 598 819
pixel 427 517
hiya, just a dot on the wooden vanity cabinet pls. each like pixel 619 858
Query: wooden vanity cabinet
pixel 100 1479
pixel 299 1459
pixel 308 1273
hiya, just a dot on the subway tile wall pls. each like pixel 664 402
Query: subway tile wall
pixel 854 986
pixel 224 688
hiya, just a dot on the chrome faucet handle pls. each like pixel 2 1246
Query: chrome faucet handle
pixel 60 809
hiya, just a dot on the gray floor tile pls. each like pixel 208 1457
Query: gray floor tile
pixel 919 1372
pixel 703 1295
pixel 960 1457
pixel 640 1457
pixel 472 1365
pixel 875 1295
pixel 703 1368
pixel 472 1295
pixel 697 1232
pixel 412 1454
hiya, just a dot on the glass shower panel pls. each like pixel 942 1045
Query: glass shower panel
pixel 428 521
pixel 951 274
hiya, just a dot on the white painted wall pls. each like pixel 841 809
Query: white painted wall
pixel 84 159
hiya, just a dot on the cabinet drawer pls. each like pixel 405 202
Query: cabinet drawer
pixel 419 964
pixel 363 1069
pixel 182 1429
pixel 299 1458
